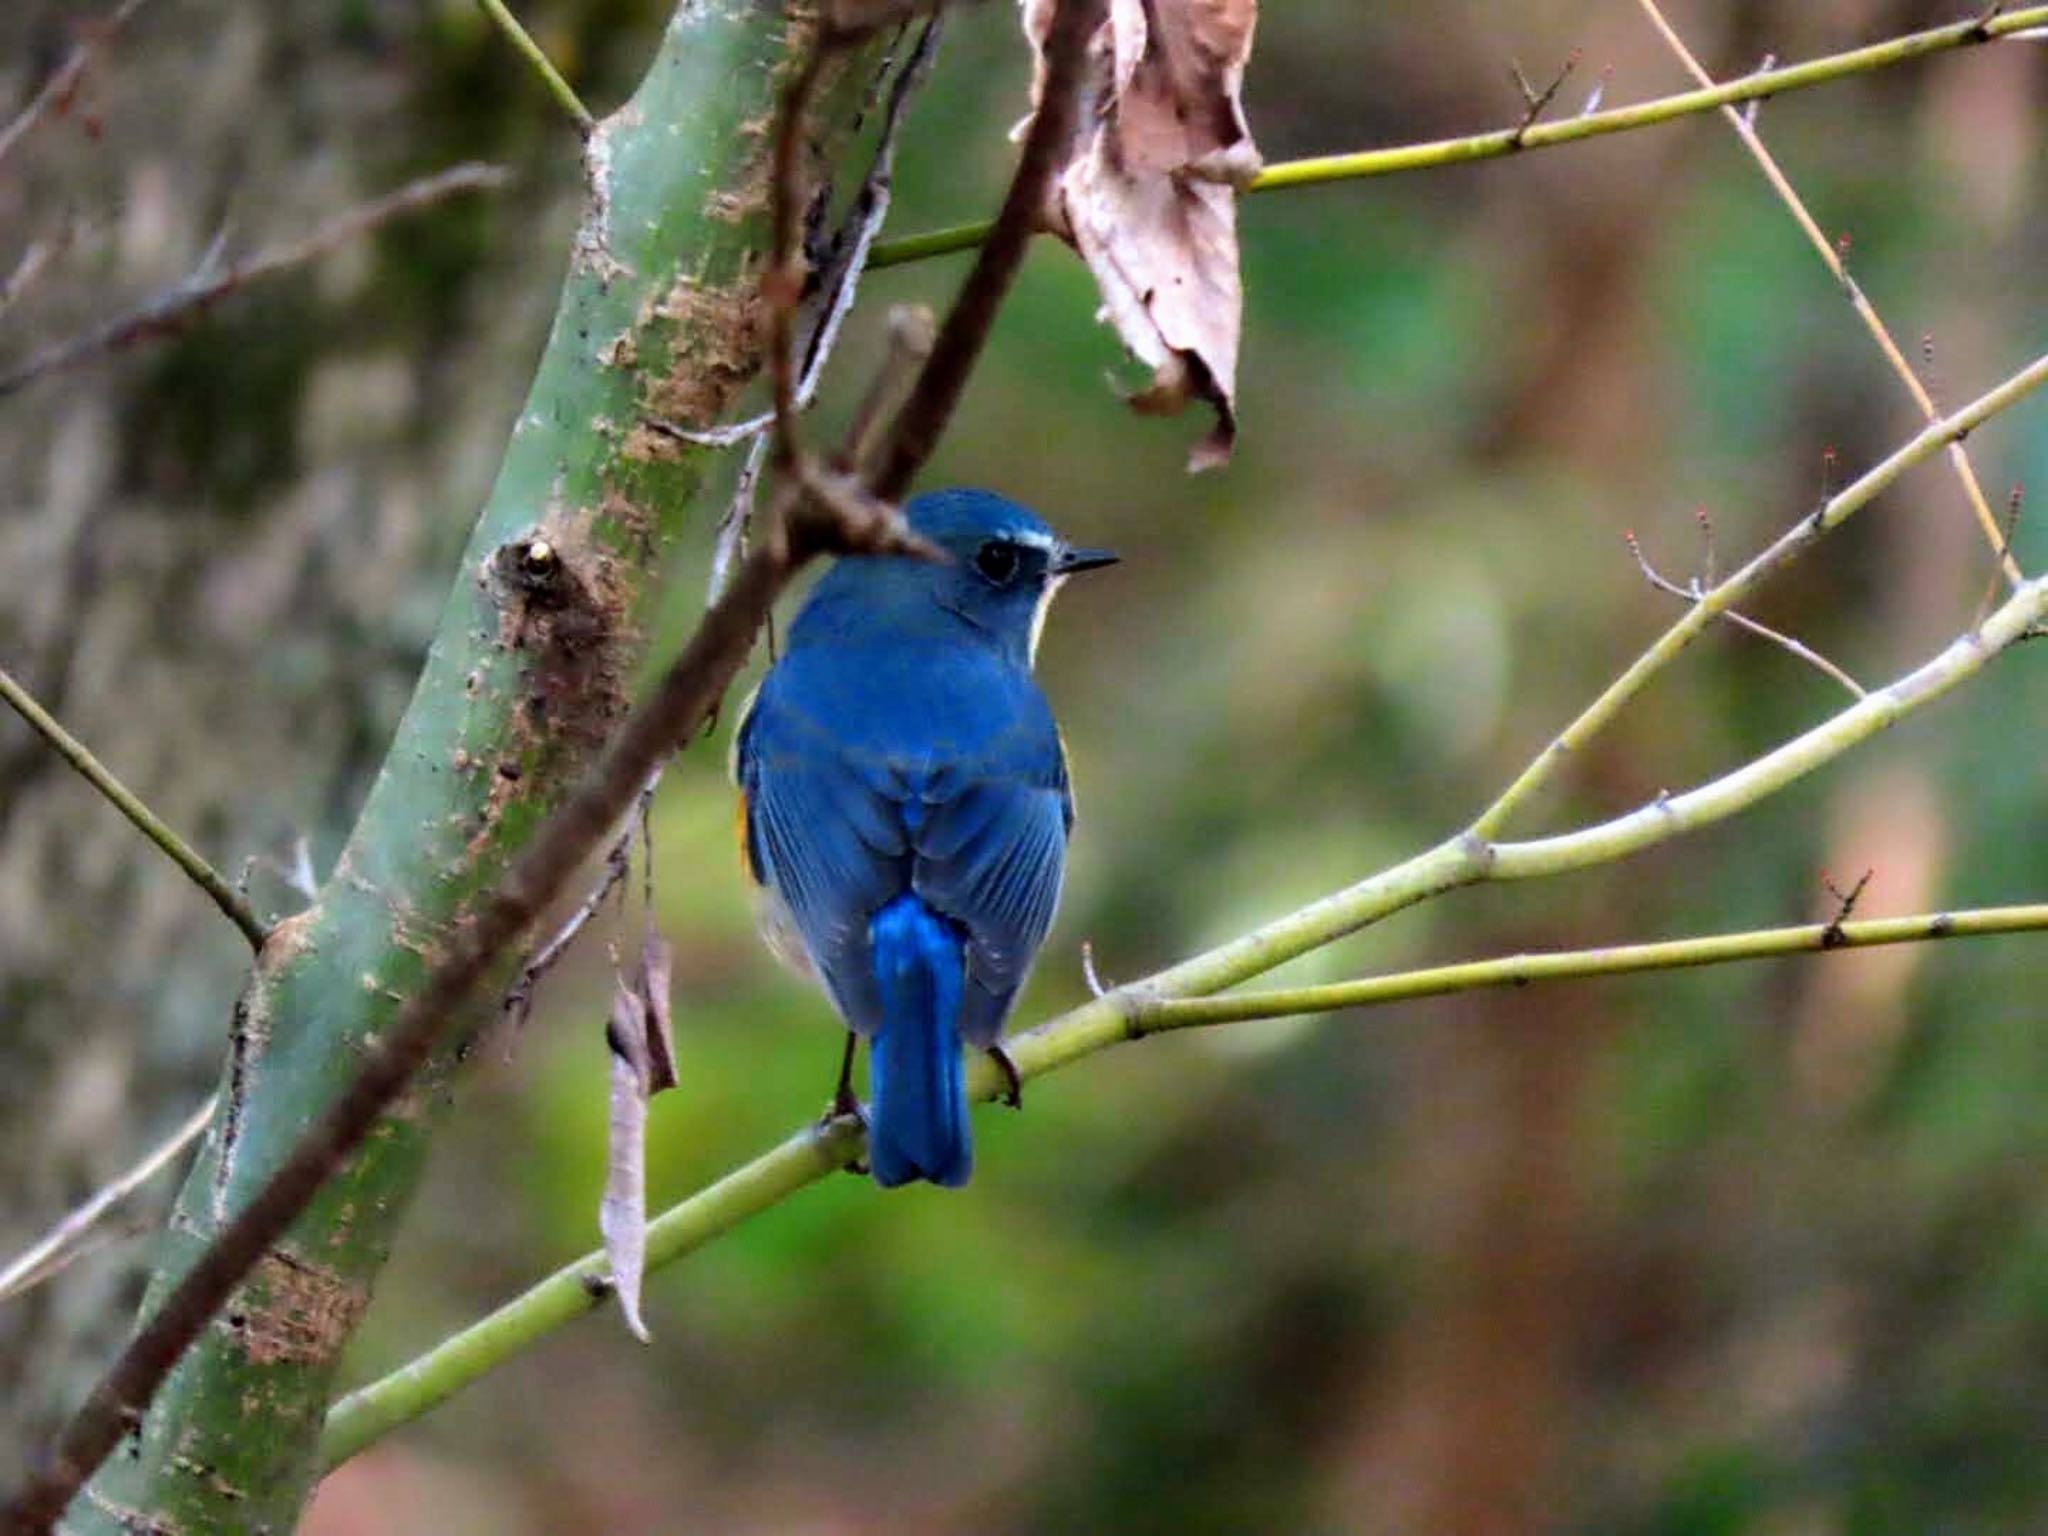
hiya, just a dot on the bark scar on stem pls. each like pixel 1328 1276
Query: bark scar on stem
pixel 249 1039
pixel 715 349
pixel 563 613
pixel 292 1312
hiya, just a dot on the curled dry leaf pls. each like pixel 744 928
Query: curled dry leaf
pixel 622 1213
pixel 1148 192
pixel 643 1064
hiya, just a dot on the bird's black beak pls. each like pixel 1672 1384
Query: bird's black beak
pixel 1068 561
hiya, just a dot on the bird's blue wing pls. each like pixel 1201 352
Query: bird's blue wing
pixel 825 844
pixel 990 847
pixel 972 818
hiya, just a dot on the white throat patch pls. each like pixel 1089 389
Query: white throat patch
pixel 1052 585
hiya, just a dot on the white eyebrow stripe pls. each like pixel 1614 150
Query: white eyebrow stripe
pixel 1032 539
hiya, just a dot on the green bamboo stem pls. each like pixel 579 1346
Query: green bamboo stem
pixel 1468 858
pixel 1501 142
pixel 124 800
pixel 543 66
pixel 548 623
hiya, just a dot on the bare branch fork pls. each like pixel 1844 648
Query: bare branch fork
pixel 830 517
pixel 1473 856
pixel 1693 591
pixel 1535 102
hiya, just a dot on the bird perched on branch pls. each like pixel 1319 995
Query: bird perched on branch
pixel 904 809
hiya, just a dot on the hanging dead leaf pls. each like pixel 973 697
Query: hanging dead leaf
pixel 643 1064
pixel 622 1213
pixel 657 964
pixel 1148 192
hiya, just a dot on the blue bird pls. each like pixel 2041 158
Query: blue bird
pixel 904 809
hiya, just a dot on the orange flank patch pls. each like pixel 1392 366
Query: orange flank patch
pixel 740 826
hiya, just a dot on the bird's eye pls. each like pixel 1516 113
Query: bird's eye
pixel 996 561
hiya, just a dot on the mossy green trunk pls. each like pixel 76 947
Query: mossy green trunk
pixel 528 673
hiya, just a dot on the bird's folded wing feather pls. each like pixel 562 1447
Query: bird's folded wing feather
pixel 978 829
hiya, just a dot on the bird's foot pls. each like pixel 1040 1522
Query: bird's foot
pixel 1013 1084
pixel 846 1106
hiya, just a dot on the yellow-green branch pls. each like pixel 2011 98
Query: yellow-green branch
pixel 1508 141
pixel 1851 499
pixel 1151 1017
pixel 412 1391
pixel 124 800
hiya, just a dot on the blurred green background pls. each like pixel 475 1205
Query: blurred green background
pixel 1750 1250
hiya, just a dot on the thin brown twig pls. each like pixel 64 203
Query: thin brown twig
pixel 782 285
pixel 1694 591
pixel 691 687
pixel 1833 257
pixel 209 282
pixel 1536 102
pixel 1832 936
pixel 944 376
pixel 2015 500
pixel 837 282
pixel 61 89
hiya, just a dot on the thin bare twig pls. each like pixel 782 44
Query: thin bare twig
pixel 68 1239
pixel 209 281
pixel 34 261
pixel 2015 501
pixel 1695 590
pixel 538 61
pixel 61 88
pixel 124 800
pixel 618 862
pixel 1535 102
pixel 910 343
pixel 689 690
pixel 1096 986
pixel 1833 256
pixel 1833 936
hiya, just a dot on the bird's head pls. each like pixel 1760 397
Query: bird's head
pixel 1004 563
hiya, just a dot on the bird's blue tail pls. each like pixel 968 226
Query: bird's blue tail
pixel 917 1124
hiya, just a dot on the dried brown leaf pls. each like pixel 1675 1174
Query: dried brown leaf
pixel 1148 193
pixel 622 1213
pixel 642 1044
pixel 657 966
